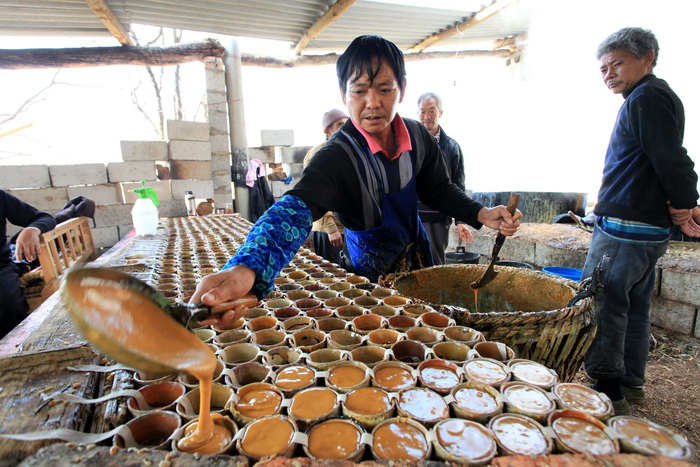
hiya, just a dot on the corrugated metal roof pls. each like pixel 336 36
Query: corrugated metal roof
pixel 265 19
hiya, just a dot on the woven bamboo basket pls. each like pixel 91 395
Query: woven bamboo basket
pixel 527 310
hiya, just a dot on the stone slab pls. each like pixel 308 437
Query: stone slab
pixel 132 171
pixel 113 215
pixel 673 315
pixel 44 199
pixel 24 176
pixel 681 286
pixel 144 150
pixel 265 154
pixel 78 174
pixel 191 170
pixel 187 131
pixel 277 137
pixel 200 188
pixel 189 150
pixel 100 194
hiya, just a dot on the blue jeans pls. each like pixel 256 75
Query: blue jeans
pixel 621 345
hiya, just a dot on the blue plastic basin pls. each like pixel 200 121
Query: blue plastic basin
pixel 567 273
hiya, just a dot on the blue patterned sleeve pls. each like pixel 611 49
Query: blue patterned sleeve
pixel 273 241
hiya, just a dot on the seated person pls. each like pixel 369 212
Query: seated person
pixel 13 304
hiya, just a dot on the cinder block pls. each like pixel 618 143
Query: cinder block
pixel 546 256
pixel 187 131
pixel 264 154
pixel 127 195
pixel 295 170
pixel 100 194
pixel 44 199
pixel 131 171
pixel 681 286
pixel 220 144
pixel 221 200
pixel 191 170
pixel 113 215
pixel 221 163
pixel 200 188
pixel 277 137
pixel 105 237
pixel 280 188
pixel 124 229
pixel 222 184
pixel 172 208
pixel 24 176
pixel 218 121
pixel 672 315
pixel 78 174
pixel 144 150
pixel 294 154
pixel 189 150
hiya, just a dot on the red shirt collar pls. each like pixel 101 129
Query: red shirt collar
pixel 403 139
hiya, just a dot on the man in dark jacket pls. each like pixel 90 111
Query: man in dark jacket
pixel 437 224
pixel 13 304
pixel 649 183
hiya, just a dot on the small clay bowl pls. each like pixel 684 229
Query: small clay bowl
pixel 439 375
pixel 353 293
pixel 313 404
pixel 295 295
pixel 464 335
pixel 366 301
pixel 236 354
pixel 510 429
pixel 393 376
pixel 322 359
pixel 331 323
pixel 464 442
pixel 533 373
pixel 452 351
pixel 286 312
pixel 423 405
pixel 494 350
pixel 366 323
pixel 345 376
pixel 248 373
pixel 208 449
pixel 268 338
pixel 384 337
pixel 487 371
pixel 191 382
pixel 308 340
pixel 370 355
pixel 159 396
pixel 254 401
pixel 234 336
pixel 293 378
pixel 527 399
pixel 345 339
pixel 369 406
pixel 268 437
pixel 319 313
pixel 426 336
pixel 414 310
pixel 413 446
pixel 478 402
pixel 347 445
pixel 409 351
pixel 402 322
pixel 280 356
pixel 188 405
pixel 349 312
pixel 435 320
pixel 262 322
pixel 384 310
pixel 152 430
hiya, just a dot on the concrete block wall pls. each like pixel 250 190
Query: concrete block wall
pixel 676 301
pixel 187 155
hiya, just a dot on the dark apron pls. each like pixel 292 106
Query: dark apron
pixel 399 244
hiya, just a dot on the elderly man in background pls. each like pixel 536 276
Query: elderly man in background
pixel 13 304
pixel 649 184
pixel 435 223
pixel 328 231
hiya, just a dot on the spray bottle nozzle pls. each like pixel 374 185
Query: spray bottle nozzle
pixel 147 192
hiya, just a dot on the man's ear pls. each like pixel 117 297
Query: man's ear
pixel 403 90
pixel 342 96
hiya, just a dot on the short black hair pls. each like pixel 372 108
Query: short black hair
pixel 637 41
pixel 357 60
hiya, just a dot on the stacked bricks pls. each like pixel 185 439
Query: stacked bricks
pixel 220 155
pixel 277 151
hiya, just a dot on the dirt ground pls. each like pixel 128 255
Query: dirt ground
pixel 673 377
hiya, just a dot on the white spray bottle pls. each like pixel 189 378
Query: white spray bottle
pixel 145 213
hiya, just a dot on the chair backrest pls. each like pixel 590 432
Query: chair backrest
pixel 68 244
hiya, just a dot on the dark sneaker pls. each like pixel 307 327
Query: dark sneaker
pixel 634 395
pixel 621 407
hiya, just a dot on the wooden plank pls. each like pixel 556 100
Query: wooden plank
pixel 23 378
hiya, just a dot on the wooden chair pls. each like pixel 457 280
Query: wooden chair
pixel 68 244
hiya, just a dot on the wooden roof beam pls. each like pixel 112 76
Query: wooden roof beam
pixel 458 28
pixel 329 59
pixel 15 59
pixel 115 28
pixel 334 12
